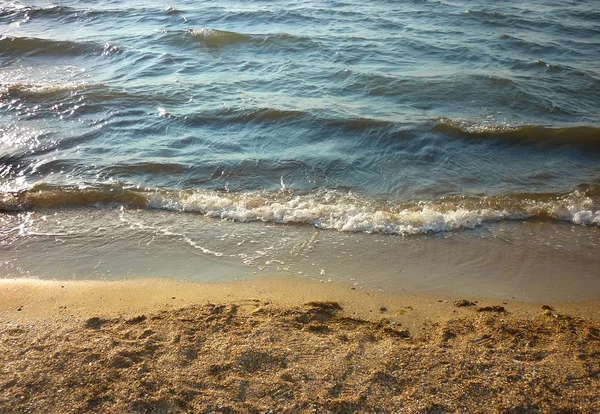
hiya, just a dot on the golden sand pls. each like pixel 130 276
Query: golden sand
pixel 288 345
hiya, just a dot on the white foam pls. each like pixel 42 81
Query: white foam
pixel 350 213
pixel 39 88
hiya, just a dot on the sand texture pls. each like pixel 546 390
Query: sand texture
pixel 257 356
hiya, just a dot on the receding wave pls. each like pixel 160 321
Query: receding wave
pixel 325 209
pixel 578 136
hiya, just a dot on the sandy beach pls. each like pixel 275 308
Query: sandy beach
pixel 299 207
pixel 288 345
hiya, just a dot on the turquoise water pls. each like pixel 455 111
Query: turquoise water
pixel 404 118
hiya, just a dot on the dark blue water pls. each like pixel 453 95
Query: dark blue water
pixel 381 116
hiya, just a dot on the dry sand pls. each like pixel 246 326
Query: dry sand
pixel 288 345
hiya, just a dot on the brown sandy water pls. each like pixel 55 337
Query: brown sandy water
pixel 533 261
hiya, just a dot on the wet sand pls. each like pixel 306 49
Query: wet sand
pixel 289 345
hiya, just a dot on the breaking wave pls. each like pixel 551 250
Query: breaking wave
pixel 325 209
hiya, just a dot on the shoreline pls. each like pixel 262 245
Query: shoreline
pixel 288 345
pixel 30 300
pixel 528 261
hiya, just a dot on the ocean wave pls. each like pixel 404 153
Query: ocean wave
pixel 38 89
pixel 543 21
pixel 15 10
pixel 502 18
pixel 325 209
pixel 274 115
pixel 218 38
pixel 269 114
pixel 34 46
pixel 73 14
pixel 578 136
pixel 214 38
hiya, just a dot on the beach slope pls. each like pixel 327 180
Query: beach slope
pixel 278 351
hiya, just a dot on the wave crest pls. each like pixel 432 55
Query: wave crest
pixel 218 38
pixel 579 136
pixel 25 89
pixel 326 209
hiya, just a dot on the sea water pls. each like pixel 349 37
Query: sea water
pixel 414 144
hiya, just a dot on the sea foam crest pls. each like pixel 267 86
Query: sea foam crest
pixel 20 89
pixel 576 207
pixel 326 209
pixel 351 213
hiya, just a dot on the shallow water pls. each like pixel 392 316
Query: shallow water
pixel 528 261
pixel 365 118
